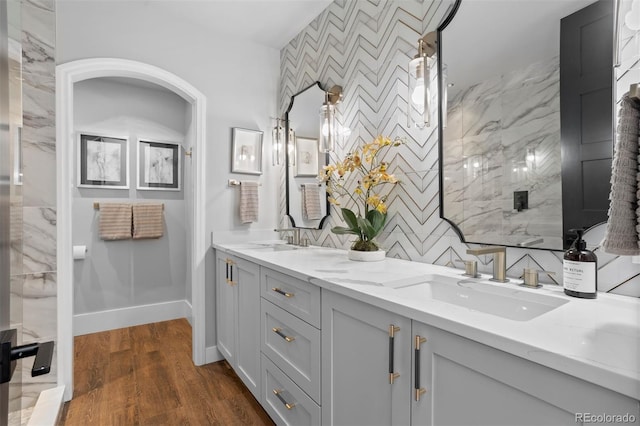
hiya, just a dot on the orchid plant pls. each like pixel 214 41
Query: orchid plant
pixel 369 214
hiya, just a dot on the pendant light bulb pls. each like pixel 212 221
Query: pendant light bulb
pixel 417 97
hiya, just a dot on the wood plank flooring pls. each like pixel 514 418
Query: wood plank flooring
pixel 144 375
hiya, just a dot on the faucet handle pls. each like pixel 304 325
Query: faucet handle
pixel 470 267
pixel 530 276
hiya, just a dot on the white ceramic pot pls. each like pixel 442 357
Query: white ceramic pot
pixel 367 256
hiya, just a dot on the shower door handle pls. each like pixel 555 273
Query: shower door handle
pixel 9 353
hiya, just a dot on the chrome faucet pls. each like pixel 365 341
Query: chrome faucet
pixel 295 233
pixel 499 261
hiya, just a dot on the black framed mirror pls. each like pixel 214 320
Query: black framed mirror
pixel 521 160
pixel 307 202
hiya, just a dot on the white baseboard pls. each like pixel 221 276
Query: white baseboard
pixel 95 322
pixel 212 354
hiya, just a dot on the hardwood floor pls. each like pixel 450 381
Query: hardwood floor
pixel 144 375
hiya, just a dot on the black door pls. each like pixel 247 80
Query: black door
pixel 586 99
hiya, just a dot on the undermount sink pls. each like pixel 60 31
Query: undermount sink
pixel 505 302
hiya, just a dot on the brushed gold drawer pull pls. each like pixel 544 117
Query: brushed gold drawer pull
pixel 284 293
pixel 278 393
pixel 279 332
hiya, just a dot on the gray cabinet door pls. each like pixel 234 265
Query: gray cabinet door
pixel 247 276
pixel 468 383
pixel 226 307
pixel 356 363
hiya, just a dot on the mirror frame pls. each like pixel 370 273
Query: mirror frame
pixel 441 28
pixel 441 107
pixel 286 160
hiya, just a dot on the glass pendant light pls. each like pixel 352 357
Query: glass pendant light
pixel 419 84
pixel 278 143
pixel 328 122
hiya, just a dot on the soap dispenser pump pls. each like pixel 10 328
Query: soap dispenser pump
pixel 580 269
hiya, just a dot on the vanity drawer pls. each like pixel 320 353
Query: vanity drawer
pixel 285 402
pixel 293 295
pixel 293 345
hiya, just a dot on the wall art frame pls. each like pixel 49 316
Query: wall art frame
pixel 246 151
pixel 159 165
pixel 306 152
pixel 102 161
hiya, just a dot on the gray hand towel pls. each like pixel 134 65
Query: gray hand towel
pixel 623 227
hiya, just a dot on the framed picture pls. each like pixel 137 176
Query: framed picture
pixel 103 161
pixel 306 156
pixel 246 151
pixel 159 166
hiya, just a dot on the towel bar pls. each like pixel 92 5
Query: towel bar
pixel 233 182
pixel 96 206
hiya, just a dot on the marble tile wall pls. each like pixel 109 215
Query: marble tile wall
pixel 33 209
pixel 503 135
pixel 365 46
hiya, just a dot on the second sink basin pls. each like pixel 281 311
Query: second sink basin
pixel 505 302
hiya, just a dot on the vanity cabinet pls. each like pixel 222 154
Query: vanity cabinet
pixel 468 383
pixel 312 356
pixel 290 348
pixel 366 373
pixel 442 378
pixel 238 317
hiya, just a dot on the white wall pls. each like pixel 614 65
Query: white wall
pixel 128 273
pixel 239 79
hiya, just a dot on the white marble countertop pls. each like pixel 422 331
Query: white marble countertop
pixel 597 340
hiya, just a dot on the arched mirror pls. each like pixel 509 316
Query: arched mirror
pixel 526 132
pixel 307 204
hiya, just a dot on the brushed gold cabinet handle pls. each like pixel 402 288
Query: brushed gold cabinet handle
pixel 284 293
pixel 416 368
pixel 278 393
pixel 279 332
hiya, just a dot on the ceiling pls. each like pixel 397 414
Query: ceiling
pixel 272 23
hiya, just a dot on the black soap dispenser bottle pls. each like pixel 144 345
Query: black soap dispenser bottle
pixel 580 269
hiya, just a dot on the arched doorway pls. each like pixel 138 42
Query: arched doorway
pixel 66 76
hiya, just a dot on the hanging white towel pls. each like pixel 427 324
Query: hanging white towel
pixel 248 201
pixel 623 226
pixel 311 201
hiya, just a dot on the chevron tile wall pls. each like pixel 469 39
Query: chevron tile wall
pixel 364 45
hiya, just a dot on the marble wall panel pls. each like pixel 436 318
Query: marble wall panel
pixel 37 296
pixel 38 137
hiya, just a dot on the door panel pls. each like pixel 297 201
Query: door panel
pixel 356 362
pixel 586 79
